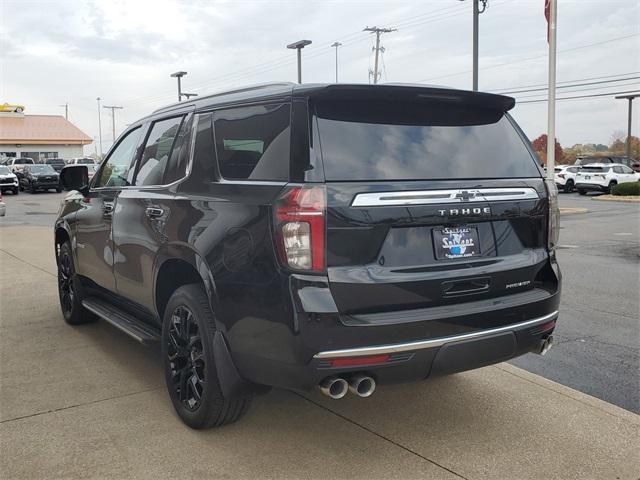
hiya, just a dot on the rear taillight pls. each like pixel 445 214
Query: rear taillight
pixel 300 227
pixel 561 175
pixel 554 215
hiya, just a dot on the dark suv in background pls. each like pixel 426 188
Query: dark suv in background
pixel 339 236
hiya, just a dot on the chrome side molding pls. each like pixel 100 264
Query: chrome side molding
pixel 432 197
pixel 431 343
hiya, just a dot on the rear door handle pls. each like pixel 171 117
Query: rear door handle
pixel 153 212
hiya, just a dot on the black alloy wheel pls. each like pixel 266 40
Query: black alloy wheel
pixel 568 187
pixel 186 358
pixel 191 373
pixel 69 289
pixel 65 282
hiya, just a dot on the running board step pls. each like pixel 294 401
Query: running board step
pixel 122 320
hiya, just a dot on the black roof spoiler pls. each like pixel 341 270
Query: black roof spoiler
pixel 417 93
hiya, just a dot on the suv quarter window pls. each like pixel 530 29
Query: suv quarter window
pixel 115 171
pixel 253 142
pixel 160 147
pixel 617 169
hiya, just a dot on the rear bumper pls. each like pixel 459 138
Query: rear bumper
pixel 591 187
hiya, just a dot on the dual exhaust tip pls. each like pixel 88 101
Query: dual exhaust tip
pixel 337 387
pixel 545 345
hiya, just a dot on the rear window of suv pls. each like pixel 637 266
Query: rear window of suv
pixel 408 141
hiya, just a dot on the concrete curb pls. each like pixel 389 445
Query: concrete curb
pixel 576 395
pixel 618 198
pixel 572 210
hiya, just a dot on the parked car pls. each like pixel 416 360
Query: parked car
pixel 629 162
pixel 301 236
pixel 603 177
pixel 6 107
pixel 565 177
pixel 40 177
pixel 8 180
pixel 17 164
pixel 57 163
pixel 81 161
pixel 3 207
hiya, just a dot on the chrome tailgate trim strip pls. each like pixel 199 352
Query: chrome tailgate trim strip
pixel 433 197
pixel 435 342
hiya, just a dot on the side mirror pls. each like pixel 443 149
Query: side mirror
pixel 75 177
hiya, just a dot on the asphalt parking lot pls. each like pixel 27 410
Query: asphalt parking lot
pixel 90 402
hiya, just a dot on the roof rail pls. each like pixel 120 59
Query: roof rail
pixel 231 92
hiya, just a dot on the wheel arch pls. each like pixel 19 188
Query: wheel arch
pixel 178 265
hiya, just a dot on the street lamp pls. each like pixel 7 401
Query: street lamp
pixel 179 75
pixel 99 126
pixel 476 14
pixel 630 98
pixel 336 45
pixel 299 45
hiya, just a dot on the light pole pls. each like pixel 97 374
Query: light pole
pixel 630 98
pixel 113 119
pixel 179 75
pixel 99 127
pixel 336 45
pixel 299 45
pixel 476 27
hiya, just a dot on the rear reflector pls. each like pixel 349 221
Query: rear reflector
pixel 357 361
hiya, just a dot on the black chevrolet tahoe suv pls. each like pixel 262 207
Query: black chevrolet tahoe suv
pixel 301 236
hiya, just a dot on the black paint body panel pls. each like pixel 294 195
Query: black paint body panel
pixel 383 284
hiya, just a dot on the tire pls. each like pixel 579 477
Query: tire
pixel 70 290
pixel 582 192
pixel 568 187
pixel 16 191
pixel 187 350
pixel 32 189
pixel 19 110
pixel 58 190
pixel 612 184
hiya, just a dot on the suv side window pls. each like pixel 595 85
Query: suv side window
pixel 253 143
pixel 626 169
pixel 617 170
pixel 157 151
pixel 115 172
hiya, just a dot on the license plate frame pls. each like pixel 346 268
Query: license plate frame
pixel 452 243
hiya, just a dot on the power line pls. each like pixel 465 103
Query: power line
pixel 571 86
pixel 505 90
pixel 581 96
pixel 599 87
pixel 533 58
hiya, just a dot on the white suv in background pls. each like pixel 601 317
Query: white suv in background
pixel 565 177
pixel 603 177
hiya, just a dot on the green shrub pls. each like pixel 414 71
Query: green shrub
pixel 629 188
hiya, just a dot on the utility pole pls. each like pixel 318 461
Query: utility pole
pixel 299 45
pixel 377 48
pixel 476 29
pixel 179 75
pixel 551 112
pixel 113 119
pixel 630 98
pixel 336 45
pixel 99 127
pixel 66 110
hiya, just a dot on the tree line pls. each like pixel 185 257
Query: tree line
pixel 617 147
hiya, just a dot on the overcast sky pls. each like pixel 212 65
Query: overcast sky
pixel 58 51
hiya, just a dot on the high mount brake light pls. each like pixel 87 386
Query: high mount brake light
pixel 301 228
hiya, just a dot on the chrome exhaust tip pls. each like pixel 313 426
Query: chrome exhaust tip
pixel 362 385
pixel 334 387
pixel 545 345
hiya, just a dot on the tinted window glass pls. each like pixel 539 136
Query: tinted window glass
pixel 177 166
pixel 157 151
pixel 253 142
pixel 626 169
pixel 40 169
pixel 115 173
pixel 617 169
pixel 405 141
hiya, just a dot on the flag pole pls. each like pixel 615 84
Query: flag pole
pixel 551 112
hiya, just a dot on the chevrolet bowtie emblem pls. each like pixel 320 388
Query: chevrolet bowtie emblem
pixel 465 195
